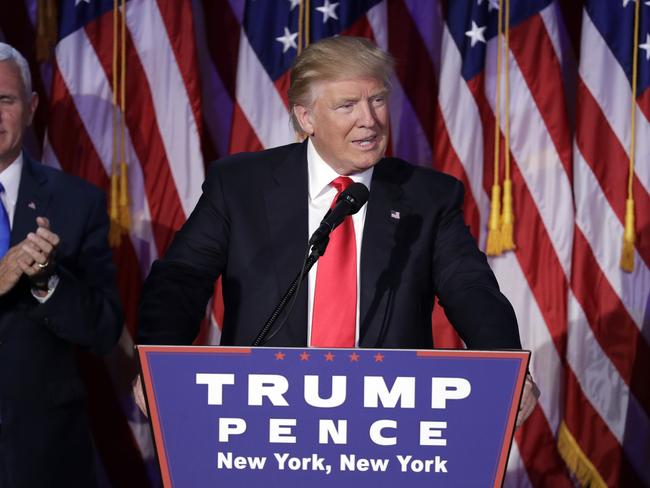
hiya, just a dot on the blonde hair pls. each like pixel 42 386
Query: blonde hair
pixel 335 58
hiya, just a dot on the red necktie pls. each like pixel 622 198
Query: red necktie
pixel 335 296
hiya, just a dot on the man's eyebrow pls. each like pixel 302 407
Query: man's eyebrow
pixel 380 93
pixel 343 100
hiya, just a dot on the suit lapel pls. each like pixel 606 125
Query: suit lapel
pixel 33 200
pixel 285 201
pixel 379 261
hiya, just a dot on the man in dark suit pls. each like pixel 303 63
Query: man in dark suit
pixel 57 290
pixel 257 211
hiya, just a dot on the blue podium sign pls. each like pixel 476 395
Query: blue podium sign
pixel 247 417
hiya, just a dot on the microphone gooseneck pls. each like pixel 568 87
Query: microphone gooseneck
pixel 348 203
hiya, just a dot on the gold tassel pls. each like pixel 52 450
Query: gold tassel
pixel 493 247
pixel 46 29
pixel 115 233
pixel 627 253
pixel 125 214
pixel 507 218
pixel 577 461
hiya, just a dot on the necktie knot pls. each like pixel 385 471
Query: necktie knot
pixel 341 183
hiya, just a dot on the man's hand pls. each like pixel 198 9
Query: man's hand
pixel 11 267
pixel 528 400
pixel 138 395
pixel 40 246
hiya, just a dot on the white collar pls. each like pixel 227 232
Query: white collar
pixel 322 174
pixel 10 179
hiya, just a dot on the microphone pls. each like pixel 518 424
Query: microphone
pixel 348 203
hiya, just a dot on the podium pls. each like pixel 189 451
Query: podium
pixel 278 417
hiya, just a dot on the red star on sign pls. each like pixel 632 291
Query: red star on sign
pixel 379 357
pixel 354 357
pixel 304 356
pixel 329 357
pixel 279 355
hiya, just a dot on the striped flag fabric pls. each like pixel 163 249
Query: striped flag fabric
pixel 535 276
pixel 205 79
pixel 165 172
pixel 605 436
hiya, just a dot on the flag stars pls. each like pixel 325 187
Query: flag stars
pixel 354 357
pixel 476 34
pixel 379 357
pixel 293 4
pixel 279 356
pixel 329 357
pixel 304 356
pixel 288 40
pixel 328 10
pixel 492 4
pixel 77 2
pixel 646 47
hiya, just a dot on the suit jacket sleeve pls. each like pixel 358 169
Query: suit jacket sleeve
pixel 85 308
pixel 466 286
pixel 176 292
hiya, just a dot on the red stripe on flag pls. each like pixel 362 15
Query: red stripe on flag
pixel 594 436
pixel 167 214
pixel 643 101
pixel 69 139
pixel 544 466
pixel 179 23
pixel 535 251
pixel 242 138
pixel 603 308
pixel 282 86
pixel 540 266
pixel 446 160
pixel 361 28
pixel 533 50
pixel 413 65
pixel 113 437
pixel 608 160
pixel 76 154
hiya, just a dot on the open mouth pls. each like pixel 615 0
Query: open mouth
pixel 367 143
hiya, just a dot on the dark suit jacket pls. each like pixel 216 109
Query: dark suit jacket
pixel 250 226
pixel 44 438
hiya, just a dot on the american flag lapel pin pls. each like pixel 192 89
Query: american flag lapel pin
pixel 394 214
pixel 32 205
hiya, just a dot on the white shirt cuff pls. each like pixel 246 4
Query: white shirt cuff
pixel 52 283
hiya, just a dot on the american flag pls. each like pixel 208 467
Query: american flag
pixel 208 78
pixel 606 434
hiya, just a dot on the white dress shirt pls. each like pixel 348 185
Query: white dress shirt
pixel 10 179
pixel 321 194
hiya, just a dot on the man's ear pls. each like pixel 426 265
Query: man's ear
pixel 304 117
pixel 33 103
